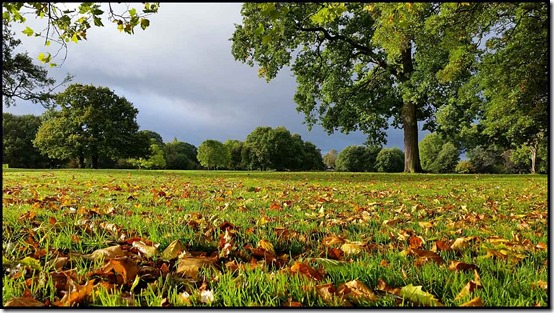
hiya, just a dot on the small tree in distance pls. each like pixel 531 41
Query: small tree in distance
pixel 212 154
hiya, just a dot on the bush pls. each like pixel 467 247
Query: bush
pixel 355 159
pixel 390 160
pixel 464 167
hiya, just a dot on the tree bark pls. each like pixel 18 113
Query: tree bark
pixel 412 163
pixel 533 160
pixel 81 160
pixel 94 161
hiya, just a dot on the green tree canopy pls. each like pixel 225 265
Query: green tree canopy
pixel 330 158
pixel 212 154
pixel 93 122
pixel 359 66
pixel 438 155
pixel 355 159
pixel 18 133
pixel 181 155
pixel 390 160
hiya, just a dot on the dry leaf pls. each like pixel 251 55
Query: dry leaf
pixel 415 242
pixel 190 266
pixel 124 266
pixel 332 240
pixel 352 248
pixel 106 253
pixel 266 245
pixel 461 266
pixel 475 302
pixel 172 251
pixel 206 296
pixel 416 295
pixel 77 294
pixel 540 284
pixel 470 287
pixel 23 302
pixel 327 293
pixel 356 291
pixel 307 270
pixel 148 251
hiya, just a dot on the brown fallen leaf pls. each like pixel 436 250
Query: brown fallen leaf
pixel 190 266
pixel 307 270
pixel 291 304
pixel 105 253
pixel 328 294
pixel 475 302
pixel 23 302
pixel 461 266
pixel 415 242
pixel 356 292
pixel 266 245
pixel 425 256
pixel 332 240
pixel 383 286
pixel 77 294
pixel 123 266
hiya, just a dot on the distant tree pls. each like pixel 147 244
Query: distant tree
pixel 313 161
pixel 330 158
pixel 152 135
pixel 353 159
pixel 178 155
pixel 390 160
pixel 93 122
pixel 18 133
pixel 234 152
pixel 259 147
pixel 212 154
pixel 438 155
pixel 486 158
pixel 21 78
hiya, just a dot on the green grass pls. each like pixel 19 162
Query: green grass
pixel 49 214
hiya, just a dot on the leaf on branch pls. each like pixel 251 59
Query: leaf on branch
pixel 28 31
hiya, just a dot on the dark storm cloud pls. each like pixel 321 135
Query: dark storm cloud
pixel 182 77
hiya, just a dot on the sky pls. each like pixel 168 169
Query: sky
pixel 181 76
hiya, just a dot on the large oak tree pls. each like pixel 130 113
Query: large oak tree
pixel 358 66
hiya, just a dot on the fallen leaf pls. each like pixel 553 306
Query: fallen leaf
pixel 383 286
pixel 106 253
pixel 540 284
pixel 416 295
pixel 415 242
pixel 332 240
pixel 352 248
pixel 148 251
pixel 425 256
pixel 327 293
pixel 206 296
pixel 307 270
pixel 77 294
pixel 172 251
pixel 291 304
pixel 124 266
pixel 190 266
pixel 266 245
pixel 475 302
pixel 23 302
pixel 461 266
pixel 356 292
pixel 470 287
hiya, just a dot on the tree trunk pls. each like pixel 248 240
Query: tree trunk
pixel 412 163
pixel 533 160
pixel 81 160
pixel 94 161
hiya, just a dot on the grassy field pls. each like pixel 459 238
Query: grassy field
pixel 93 238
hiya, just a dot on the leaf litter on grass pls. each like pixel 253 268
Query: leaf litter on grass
pixel 335 225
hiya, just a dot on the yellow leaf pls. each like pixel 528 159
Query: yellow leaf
pixel 172 251
pixel 352 248
pixel 416 295
pixel 147 250
pixel 356 291
pixel 106 253
pixel 475 302
pixel 266 245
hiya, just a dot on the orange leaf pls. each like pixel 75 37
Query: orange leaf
pixel 327 293
pixel 383 286
pixel 415 242
pixel 332 240
pixel 425 256
pixel 125 266
pixel 306 270
pixel 78 294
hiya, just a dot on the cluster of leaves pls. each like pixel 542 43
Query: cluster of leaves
pixel 71 23
pixel 127 238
